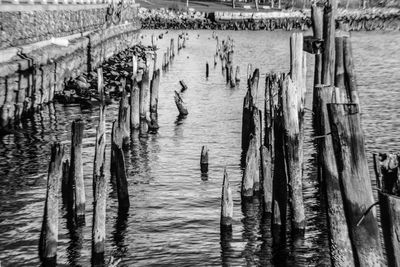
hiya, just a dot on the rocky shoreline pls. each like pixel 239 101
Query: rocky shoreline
pixel 373 19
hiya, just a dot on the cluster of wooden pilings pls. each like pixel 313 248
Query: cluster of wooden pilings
pixel 273 151
pixel 224 51
pixel 137 114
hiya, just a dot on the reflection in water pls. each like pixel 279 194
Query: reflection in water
pixel 227 252
pixel 75 233
pixel 251 209
pixel 119 233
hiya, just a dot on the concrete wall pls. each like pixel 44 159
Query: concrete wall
pixel 33 72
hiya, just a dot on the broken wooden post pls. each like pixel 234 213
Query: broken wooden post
pixel 135 106
pixel 348 143
pixel 154 86
pixel 267 179
pixel 251 172
pixel 249 71
pixel 226 203
pixel 328 55
pixel 340 244
pixel 207 69
pixel 49 233
pixel 237 74
pixel 293 152
pixel 350 77
pixel 204 160
pixel 144 103
pixel 99 192
pixel 183 86
pixel 180 105
pixel 120 171
pixel 76 168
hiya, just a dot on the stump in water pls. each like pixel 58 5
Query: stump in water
pixel 204 160
pixel 237 74
pixel 226 203
pixel 293 152
pixel 251 172
pixel 340 244
pixel 134 106
pixel 207 70
pixel 348 143
pixel 387 171
pixel 99 192
pixel 155 83
pixel 350 77
pixel 266 165
pixel 49 233
pixel 120 171
pixel 76 169
pixel 180 105
pixel 183 86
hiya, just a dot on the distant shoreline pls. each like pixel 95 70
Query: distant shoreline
pixel 372 19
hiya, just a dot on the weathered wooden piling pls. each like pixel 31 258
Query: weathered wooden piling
pixel 251 172
pixel 204 160
pixel 120 170
pixel 386 168
pixel 328 55
pixel 154 86
pixel 144 102
pixel 226 203
pixel 76 168
pixel 180 104
pixel 134 66
pixel 135 105
pixel 124 119
pixel 339 65
pixel 67 186
pixel 172 48
pixel 249 71
pixel 317 14
pixel 350 77
pixel 257 135
pixel 340 244
pixel 49 233
pixel 348 143
pixel 253 85
pixel 246 120
pixel 99 192
pixel 207 70
pixel 293 152
pixel 266 179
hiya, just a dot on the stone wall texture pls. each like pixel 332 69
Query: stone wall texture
pixel 30 79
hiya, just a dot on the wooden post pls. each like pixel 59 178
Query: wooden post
pixel 226 203
pixel 348 143
pixel 134 66
pixel 172 48
pixel 328 56
pixel 317 13
pixel 204 160
pixel 180 104
pixel 135 106
pixel 120 171
pixel 207 70
pixel 246 120
pixel 144 103
pixel 49 233
pixel 237 74
pixel 340 244
pixel 386 168
pixel 267 179
pixel 251 172
pixel 124 119
pixel 339 65
pixel 99 192
pixel 350 77
pixel 253 85
pixel 154 86
pixel 249 71
pixel 232 77
pixel 256 131
pixel 76 168
pixel 293 153
pixel 67 187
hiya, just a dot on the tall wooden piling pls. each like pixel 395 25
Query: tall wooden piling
pixel 226 203
pixel 135 106
pixel 251 172
pixel 49 233
pixel 350 77
pixel 120 170
pixel 76 168
pixel 293 153
pixel 144 102
pixel 317 14
pixel 204 160
pixel 348 143
pixel 124 119
pixel 256 131
pixel 154 86
pixel 340 244
pixel 328 56
pixel 99 192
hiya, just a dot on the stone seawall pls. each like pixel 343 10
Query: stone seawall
pixel 32 73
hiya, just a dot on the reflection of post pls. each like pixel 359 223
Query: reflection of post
pixel 251 220
pixel 120 232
